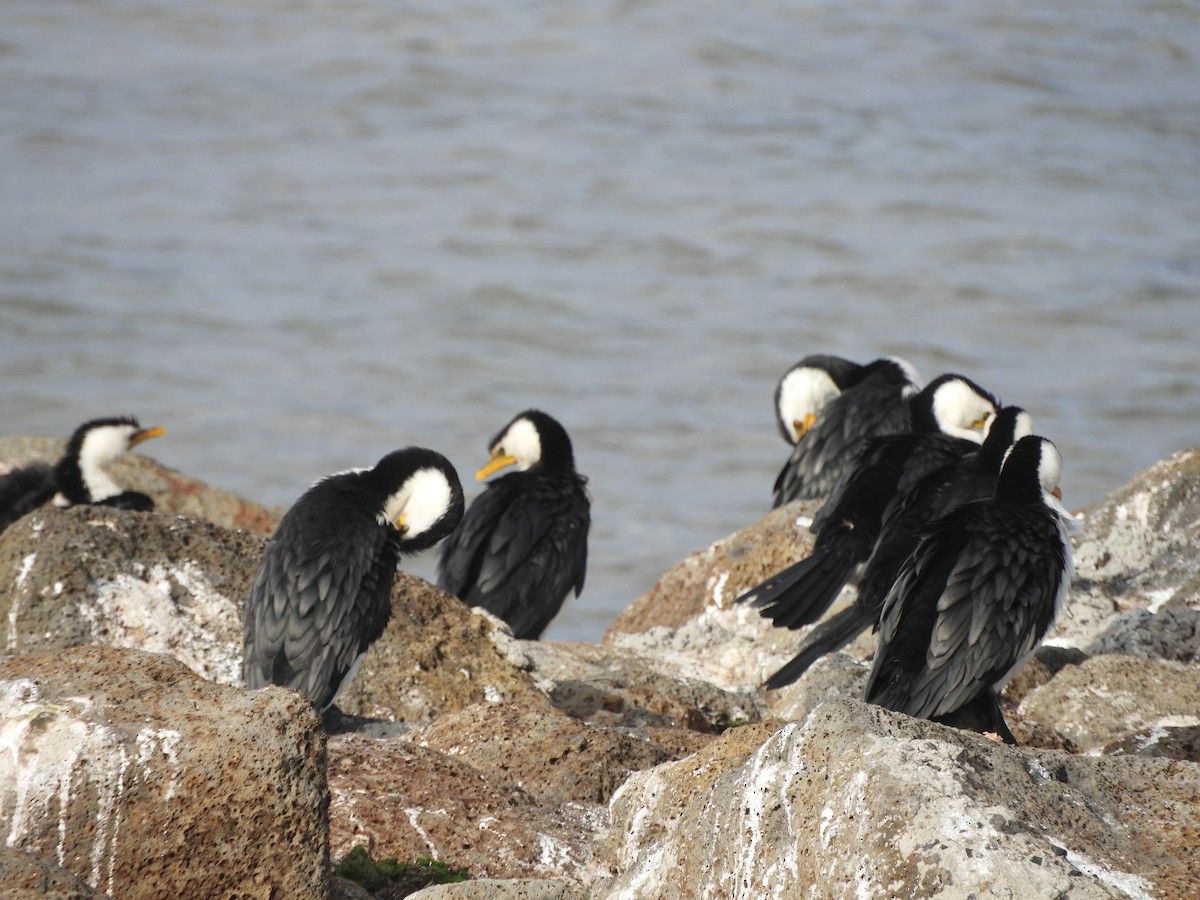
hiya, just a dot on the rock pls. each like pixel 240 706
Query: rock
pixel 437 656
pixel 174 585
pixel 613 685
pixel 405 801
pixel 172 492
pixel 858 799
pixel 24 876
pixel 555 758
pixel 146 781
pixel 1138 552
pixel 715 576
pixel 145 581
pixel 1107 698
pixel 496 889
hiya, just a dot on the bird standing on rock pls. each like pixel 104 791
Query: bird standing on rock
pixel 323 591
pixel 949 417
pixel 969 477
pixel 871 402
pixel 521 548
pixel 977 596
pixel 80 476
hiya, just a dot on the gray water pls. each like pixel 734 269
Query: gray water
pixel 300 234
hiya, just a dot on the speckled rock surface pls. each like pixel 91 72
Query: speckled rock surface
pixel 611 686
pixel 1110 697
pixel 403 800
pixel 552 756
pixel 495 889
pixel 140 580
pixel 717 574
pixel 437 656
pixel 867 803
pixel 146 781
pixel 174 585
pixel 24 876
pixel 173 493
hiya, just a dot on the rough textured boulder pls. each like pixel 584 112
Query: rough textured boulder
pixel 1110 697
pixel 170 584
pixel 173 493
pixel 24 876
pixel 716 575
pixel 148 782
pixel 863 802
pixel 146 581
pixel 402 800
pixel 553 757
pixel 495 889
pixel 438 656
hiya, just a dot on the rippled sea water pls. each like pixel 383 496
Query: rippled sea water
pixel 301 234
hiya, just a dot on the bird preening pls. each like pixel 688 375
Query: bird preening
pixel 323 591
pixel 80 476
pixel 950 524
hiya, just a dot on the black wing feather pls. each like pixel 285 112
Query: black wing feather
pixel 520 549
pixel 322 595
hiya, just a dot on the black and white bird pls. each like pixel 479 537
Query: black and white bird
pixel 949 418
pixel 322 596
pixel 969 477
pixel 80 476
pixel 521 548
pixel 806 388
pixel 977 596
pixel 870 402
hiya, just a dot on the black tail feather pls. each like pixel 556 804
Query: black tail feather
pixel 830 635
pixel 801 593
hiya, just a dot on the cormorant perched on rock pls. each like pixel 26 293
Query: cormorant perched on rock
pixel 969 477
pixel 949 417
pixel 806 388
pixel 79 476
pixel 977 596
pixel 323 591
pixel 521 548
pixel 870 403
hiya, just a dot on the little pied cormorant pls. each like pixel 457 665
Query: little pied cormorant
pixel 323 591
pixel 949 418
pixel 804 390
pixel 79 476
pixel 870 403
pixel 521 548
pixel 977 596
pixel 970 477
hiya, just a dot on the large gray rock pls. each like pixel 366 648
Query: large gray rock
pixel 146 781
pixel 858 801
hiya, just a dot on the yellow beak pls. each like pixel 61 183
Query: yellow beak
pixel 495 464
pixel 402 523
pixel 145 434
pixel 801 428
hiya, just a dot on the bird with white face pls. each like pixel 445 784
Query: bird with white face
pixel 839 406
pixel 322 595
pixel 80 476
pixel 948 418
pixel 521 548
pixel 977 596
